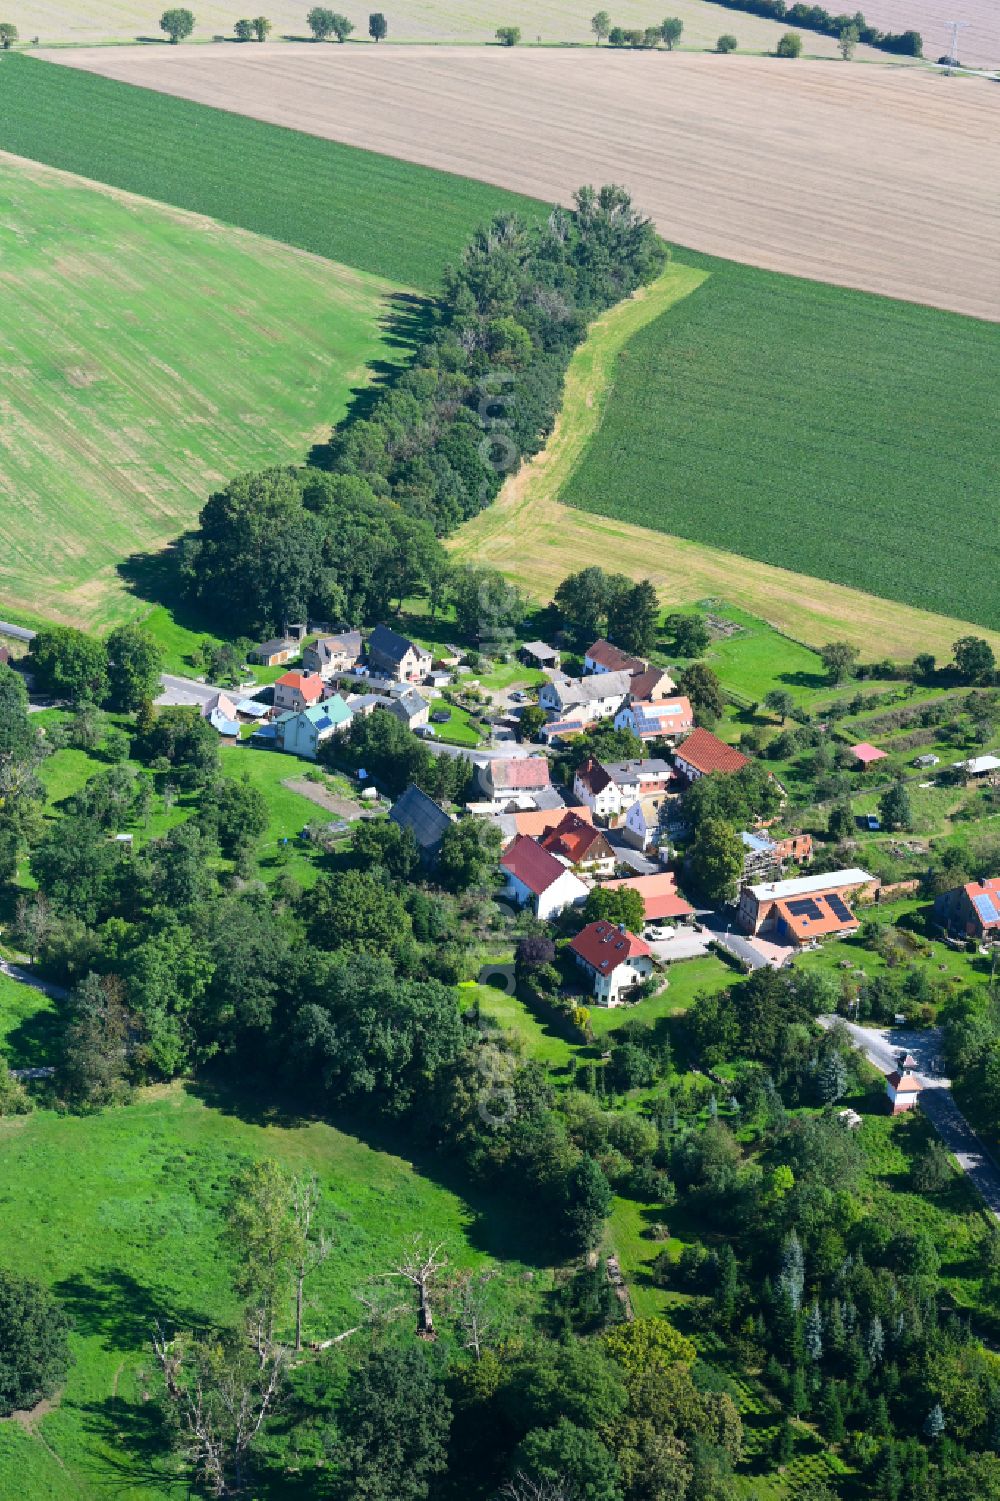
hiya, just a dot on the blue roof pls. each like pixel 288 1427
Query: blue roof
pixel 759 843
pixel 986 908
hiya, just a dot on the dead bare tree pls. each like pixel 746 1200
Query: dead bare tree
pixel 220 1393
pixel 420 1267
pixel 470 1307
pixel 523 1488
pixel 311 1249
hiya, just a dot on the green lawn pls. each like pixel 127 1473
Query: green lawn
pixel 758 658
pixel 27 1025
pixel 145 358
pixel 364 210
pixel 823 430
pixel 120 1212
pixel 289 811
pixel 685 980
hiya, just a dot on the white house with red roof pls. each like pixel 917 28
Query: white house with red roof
pixel 503 780
pixel 537 879
pixel 296 691
pixel 703 753
pixel 615 960
pixel 903 1087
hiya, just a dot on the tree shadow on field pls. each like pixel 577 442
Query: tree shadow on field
pixel 407 321
pixel 155 578
pixel 114 1306
pixel 804 679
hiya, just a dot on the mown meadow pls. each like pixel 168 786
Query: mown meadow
pixel 822 430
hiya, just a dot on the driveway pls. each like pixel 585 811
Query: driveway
pixel 628 855
pixel 684 944
pixel 881 1046
pixel 757 953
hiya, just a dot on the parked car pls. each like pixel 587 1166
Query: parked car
pixel 518 697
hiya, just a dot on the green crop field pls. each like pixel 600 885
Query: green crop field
pixel 355 207
pixel 822 430
pixel 145 357
pixel 120 1214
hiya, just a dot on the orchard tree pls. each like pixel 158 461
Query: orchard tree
pixel 261 28
pixel 780 703
pixel 378 26
pixel 671 30
pixel 838 657
pixel 243 31
pixel 8 35
pixel 726 43
pixel 178 24
pixel 840 825
pixel 34 1350
pixel 894 807
pixel 600 25
pixel 508 36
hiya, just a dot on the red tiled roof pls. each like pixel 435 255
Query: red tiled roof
pixel 573 838
pixel 707 753
pixel 309 684
pixel 593 775
pixel 659 894
pixel 904 1083
pixel 804 925
pixel 866 753
pixel 540 821
pixel 533 866
pixel 604 946
pixel 612 658
pixel 521 774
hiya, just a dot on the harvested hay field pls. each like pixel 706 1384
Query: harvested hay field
pixel 437 21
pixel 533 537
pixel 145 357
pixel 881 178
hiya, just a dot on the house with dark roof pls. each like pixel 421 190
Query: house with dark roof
pixel 615 960
pixel 538 879
pixel 397 657
pixel 703 753
pixel 586 699
pixel 604 656
pixel 649 686
pixel 408 705
pixel 972 910
pixel 329 655
pixel 426 820
pixel 539 654
pixel 609 789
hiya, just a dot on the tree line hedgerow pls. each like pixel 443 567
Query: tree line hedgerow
pixel 480 396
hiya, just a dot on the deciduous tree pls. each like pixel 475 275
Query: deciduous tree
pixel 34 1350
pixel 378 26
pixel 600 25
pixel 177 23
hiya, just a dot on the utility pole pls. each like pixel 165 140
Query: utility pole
pixel 956 27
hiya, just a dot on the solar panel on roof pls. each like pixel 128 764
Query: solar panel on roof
pixel 804 906
pixel 986 908
pixel 839 908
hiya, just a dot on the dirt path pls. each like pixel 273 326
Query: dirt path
pixel 876 176
pixel 316 793
pixel 530 535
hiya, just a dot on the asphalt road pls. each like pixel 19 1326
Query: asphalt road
pixel 881 1045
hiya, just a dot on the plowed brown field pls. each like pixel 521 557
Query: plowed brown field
pixel 881 178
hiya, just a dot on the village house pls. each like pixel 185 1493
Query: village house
pixel 302 732
pixel 537 879
pixel 656 719
pixel 766 856
pixel 603 656
pixel 644 820
pixel 295 691
pixel 395 656
pixel 587 699
pixel 426 820
pixel 971 911
pixel 409 706
pixel 540 655
pixel 801 910
pixel 222 714
pixel 330 655
pixel 661 900
pixel 615 960
pixel 703 753
pixel 274 653
pixel 649 686
pixel 607 790
pixel 583 846
pixel 534 822
pixel 980 770
pixel 504 781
